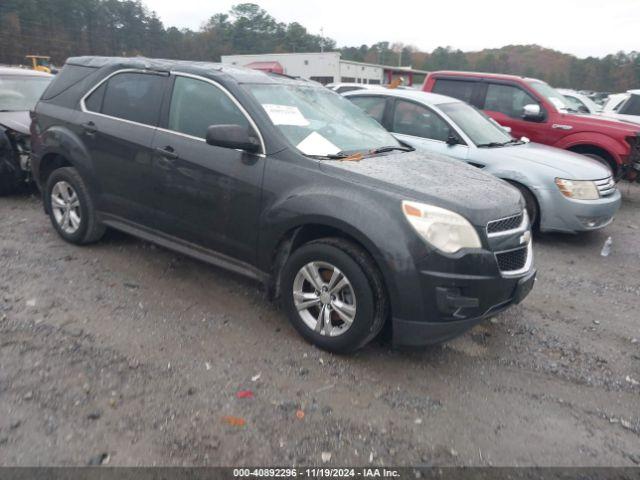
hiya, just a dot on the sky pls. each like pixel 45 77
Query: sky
pixel 581 27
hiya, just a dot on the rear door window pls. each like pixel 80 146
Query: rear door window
pixel 136 97
pixel 507 99
pixel 418 121
pixel 460 89
pixel 374 106
pixel 196 105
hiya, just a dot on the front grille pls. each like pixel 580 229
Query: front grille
pixel 504 224
pixel 606 186
pixel 512 260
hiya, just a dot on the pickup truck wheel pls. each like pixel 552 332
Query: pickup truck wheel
pixel 604 162
pixel 333 295
pixel 70 207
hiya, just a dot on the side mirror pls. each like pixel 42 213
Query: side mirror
pixel 233 136
pixel 583 109
pixel 532 112
pixel 452 139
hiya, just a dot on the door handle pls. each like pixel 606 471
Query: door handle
pixel 90 128
pixel 167 152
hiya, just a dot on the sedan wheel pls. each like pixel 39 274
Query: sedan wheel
pixel 65 206
pixel 324 298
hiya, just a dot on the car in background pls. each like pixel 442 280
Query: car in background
pixel 288 183
pixel 624 106
pixel 533 109
pixel 351 86
pixel 20 89
pixel 563 191
pixel 579 102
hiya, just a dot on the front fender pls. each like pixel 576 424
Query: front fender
pixel 378 226
pixel 618 150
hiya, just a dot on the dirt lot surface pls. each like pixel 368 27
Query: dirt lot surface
pixel 126 353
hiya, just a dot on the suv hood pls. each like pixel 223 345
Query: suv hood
pixel 435 180
pixel 558 162
pixel 18 121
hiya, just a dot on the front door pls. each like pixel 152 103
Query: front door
pixel 422 128
pixel 505 104
pixel 208 195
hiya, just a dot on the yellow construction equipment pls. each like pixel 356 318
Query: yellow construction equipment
pixel 40 63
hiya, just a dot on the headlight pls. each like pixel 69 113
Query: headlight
pixel 444 229
pixel 578 189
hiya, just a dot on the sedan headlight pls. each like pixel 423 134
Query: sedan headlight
pixel 444 229
pixel 578 189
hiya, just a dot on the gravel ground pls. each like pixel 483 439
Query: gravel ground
pixel 127 354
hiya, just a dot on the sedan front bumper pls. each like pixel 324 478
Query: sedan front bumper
pixel 562 214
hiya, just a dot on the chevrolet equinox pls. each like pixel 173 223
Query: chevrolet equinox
pixel 287 182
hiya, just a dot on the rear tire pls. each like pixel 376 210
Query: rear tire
pixel 339 320
pixel 71 208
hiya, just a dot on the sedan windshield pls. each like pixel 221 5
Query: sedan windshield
pixel 475 124
pixel 556 98
pixel 320 122
pixel 19 93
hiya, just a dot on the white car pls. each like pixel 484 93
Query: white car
pixel 580 102
pixel 563 191
pixel 624 106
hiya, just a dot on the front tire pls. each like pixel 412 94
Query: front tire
pixel 530 204
pixel 334 295
pixel 71 208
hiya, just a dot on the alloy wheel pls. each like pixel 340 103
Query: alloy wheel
pixel 66 207
pixel 324 298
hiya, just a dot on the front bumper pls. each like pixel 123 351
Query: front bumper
pixel 562 214
pixel 499 294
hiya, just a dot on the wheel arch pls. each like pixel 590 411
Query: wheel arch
pixel 303 233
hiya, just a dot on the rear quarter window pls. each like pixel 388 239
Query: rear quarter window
pixel 460 89
pixel 66 78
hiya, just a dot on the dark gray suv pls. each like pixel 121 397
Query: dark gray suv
pixel 286 182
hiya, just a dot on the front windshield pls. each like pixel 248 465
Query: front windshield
pixel 556 98
pixel 320 122
pixel 19 93
pixel 475 124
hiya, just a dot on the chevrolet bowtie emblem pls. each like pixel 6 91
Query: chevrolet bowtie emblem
pixel 525 237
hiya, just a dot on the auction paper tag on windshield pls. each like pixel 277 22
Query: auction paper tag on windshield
pixel 316 144
pixel 285 115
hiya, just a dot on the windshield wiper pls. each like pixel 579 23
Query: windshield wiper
pixel 391 148
pixel 513 141
pixel 491 145
pixel 332 156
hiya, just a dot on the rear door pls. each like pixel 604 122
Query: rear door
pixel 208 195
pixel 117 124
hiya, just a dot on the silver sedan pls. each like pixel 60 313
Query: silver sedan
pixel 564 191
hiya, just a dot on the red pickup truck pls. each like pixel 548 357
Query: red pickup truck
pixel 533 109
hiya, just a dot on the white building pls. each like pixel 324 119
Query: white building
pixel 324 67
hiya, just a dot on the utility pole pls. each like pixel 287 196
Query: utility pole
pixel 321 39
